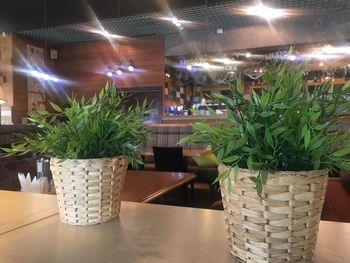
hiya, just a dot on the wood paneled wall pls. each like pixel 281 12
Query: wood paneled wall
pixel 84 66
pixel 20 86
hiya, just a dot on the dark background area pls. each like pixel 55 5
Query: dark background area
pixel 20 15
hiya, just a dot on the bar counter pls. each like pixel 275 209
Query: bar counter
pixel 142 233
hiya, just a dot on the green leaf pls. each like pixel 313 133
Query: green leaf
pixel 342 152
pixel 56 107
pixel 266 114
pixel 231 159
pixel 307 139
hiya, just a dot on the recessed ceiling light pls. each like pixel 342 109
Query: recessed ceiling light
pixel 264 11
pixel 119 71
pixel 248 55
pixel 109 73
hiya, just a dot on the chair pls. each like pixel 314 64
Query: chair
pixel 169 159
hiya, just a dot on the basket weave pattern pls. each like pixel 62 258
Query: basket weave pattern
pixel 281 227
pixel 88 190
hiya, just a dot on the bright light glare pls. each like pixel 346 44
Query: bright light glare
pixel 189 67
pixel 106 34
pixel 44 76
pixel 248 55
pixel 292 57
pixel 208 66
pixel 265 11
pixel 109 74
pixel 226 61
pixel 321 56
pixel 335 50
pixel 131 68
pixel 119 72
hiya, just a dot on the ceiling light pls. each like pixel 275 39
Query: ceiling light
pixel 109 74
pixel 119 71
pixel 131 67
pixel 175 20
pixel 189 67
pixel 264 11
pixel 226 61
pixel 178 24
pixel 248 55
pixel 335 50
pixel 320 56
pixel 105 33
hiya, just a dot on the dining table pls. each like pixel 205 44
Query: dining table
pixel 146 186
pixel 185 152
pixel 145 233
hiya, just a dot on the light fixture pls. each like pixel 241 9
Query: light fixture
pixel 119 71
pixel 105 33
pixel 176 22
pixel 248 55
pixel 264 11
pixel 292 57
pixel 189 67
pixel 321 64
pixel 226 61
pixel 131 66
pixel 109 74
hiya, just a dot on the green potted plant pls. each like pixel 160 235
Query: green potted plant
pixel 275 152
pixel 90 143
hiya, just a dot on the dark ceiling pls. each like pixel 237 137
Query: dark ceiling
pixel 20 15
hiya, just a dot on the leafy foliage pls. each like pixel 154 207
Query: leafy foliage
pixel 285 128
pixel 96 128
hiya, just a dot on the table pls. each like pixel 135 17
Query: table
pixel 145 186
pixel 19 209
pixel 145 233
pixel 185 152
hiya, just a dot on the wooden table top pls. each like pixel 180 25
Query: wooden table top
pixel 145 186
pixel 185 152
pixel 149 234
pixel 19 209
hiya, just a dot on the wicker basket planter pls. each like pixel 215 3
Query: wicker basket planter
pixel 281 227
pixel 88 190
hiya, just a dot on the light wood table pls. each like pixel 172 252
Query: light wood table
pixel 146 186
pixel 19 209
pixel 185 152
pixel 145 233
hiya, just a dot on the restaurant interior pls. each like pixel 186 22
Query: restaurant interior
pixel 173 57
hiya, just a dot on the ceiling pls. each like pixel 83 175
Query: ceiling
pixel 20 15
pixel 66 20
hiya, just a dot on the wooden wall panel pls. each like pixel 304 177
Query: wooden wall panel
pixel 85 65
pixel 20 92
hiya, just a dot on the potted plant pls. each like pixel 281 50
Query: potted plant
pixel 275 152
pixel 90 143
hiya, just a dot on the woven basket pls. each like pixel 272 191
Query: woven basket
pixel 88 190
pixel 281 227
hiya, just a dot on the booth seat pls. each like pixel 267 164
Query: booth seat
pixel 168 135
